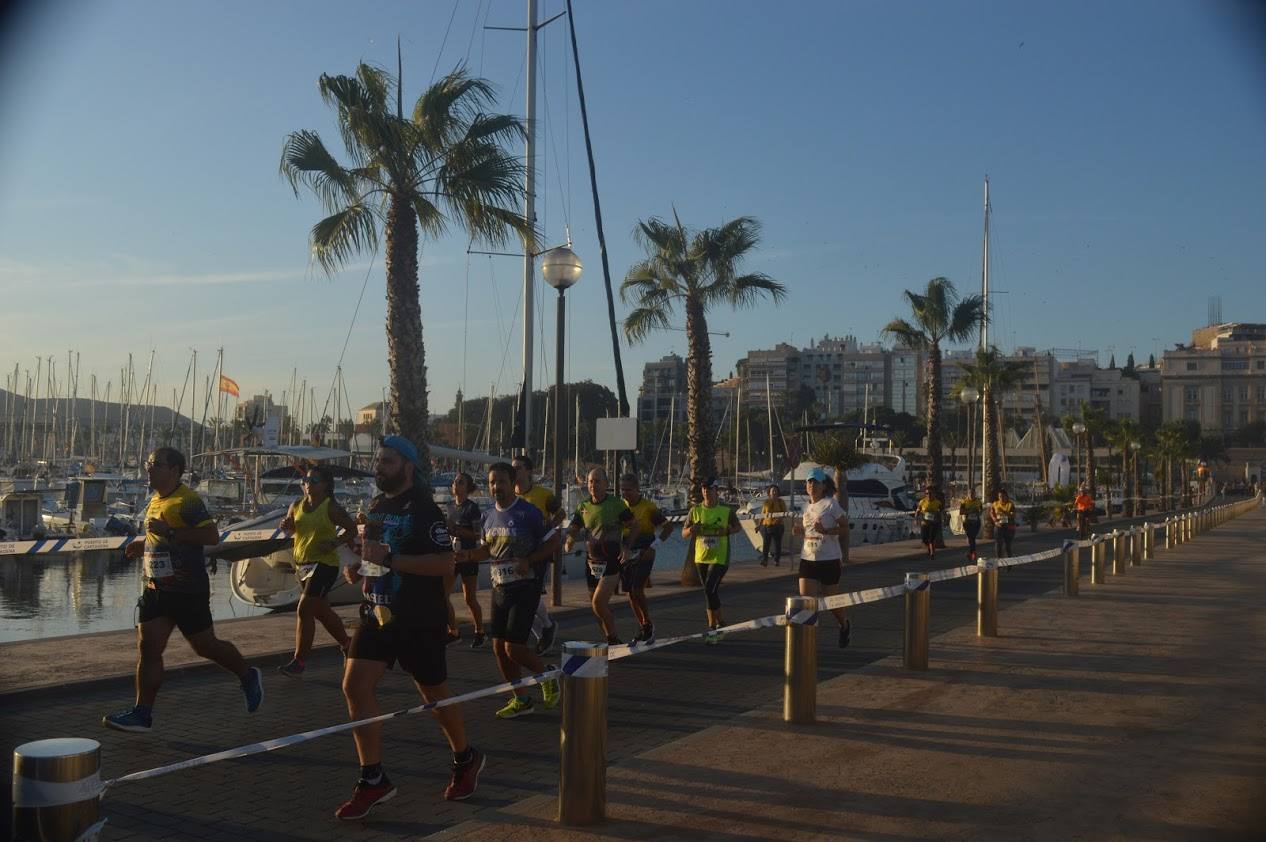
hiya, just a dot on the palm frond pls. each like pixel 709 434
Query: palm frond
pixel 746 290
pixel 445 109
pixel 643 281
pixel 907 334
pixel 343 235
pixel 966 318
pixel 643 321
pixel 305 161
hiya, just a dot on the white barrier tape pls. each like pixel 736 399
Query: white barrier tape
pixel 306 736
pixel 959 572
pixel 585 666
pixel 91 834
pixel 32 793
pixel 236 537
pixel 64 545
pixel 841 600
pixel 806 617
pixel 625 650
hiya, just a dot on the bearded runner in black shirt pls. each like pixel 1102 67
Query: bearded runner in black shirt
pixel 406 553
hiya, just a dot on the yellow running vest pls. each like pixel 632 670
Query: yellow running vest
pixel 315 535
pixel 712 549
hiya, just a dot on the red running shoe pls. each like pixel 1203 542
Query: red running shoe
pixel 465 776
pixel 365 797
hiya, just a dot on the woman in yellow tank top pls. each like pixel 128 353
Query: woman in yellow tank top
pixel 314 522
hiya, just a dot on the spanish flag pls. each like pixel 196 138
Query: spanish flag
pixel 228 386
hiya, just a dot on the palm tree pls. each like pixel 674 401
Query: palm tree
pixel 992 375
pixel 1121 434
pixel 697 270
pixel 442 166
pixel 939 316
pixel 1172 445
pixel 1096 421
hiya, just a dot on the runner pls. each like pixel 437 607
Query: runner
pixel 604 517
pixel 545 500
pixel 971 509
pixel 772 526
pixel 823 523
pixel 313 522
pixel 1085 506
pixel 463 526
pixel 1002 513
pixel 177 591
pixel 406 553
pixel 637 572
pixel 712 524
pixel 928 514
pixel 513 535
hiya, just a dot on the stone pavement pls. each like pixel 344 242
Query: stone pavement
pixel 657 700
pixel 1135 711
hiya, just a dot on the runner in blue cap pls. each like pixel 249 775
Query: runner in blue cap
pixel 824 525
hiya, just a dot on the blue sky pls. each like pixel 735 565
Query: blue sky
pixel 140 206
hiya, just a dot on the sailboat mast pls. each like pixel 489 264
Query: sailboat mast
pixel 672 417
pixel 529 213
pixel 769 418
pixel 984 346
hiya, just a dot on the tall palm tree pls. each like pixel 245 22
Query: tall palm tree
pixel 442 166
pixel 939 316
pixel 697 271
pixel 992 375
pixel 1096 421
pixel 1121 434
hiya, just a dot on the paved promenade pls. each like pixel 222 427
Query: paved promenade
pixel 1132 711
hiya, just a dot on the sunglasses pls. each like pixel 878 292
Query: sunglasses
pixel 309 479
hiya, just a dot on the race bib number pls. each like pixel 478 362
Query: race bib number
pixel 710 542
pixel 505 572
pixel 305 571
pixel 971 517
pixel 929 517
pixel 811 543
pixel 597 569
pixel 157 564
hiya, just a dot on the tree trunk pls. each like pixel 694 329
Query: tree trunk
pixel 989 447
pixel 936 466
pixel 406 355
pixel 1090 463
pixel 699 442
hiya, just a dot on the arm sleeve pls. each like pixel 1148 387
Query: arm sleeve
pixel 194 512
pixel 430 532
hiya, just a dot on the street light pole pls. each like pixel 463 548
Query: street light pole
pixel 561 269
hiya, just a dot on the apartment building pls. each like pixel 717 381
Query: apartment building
pixel 1219 379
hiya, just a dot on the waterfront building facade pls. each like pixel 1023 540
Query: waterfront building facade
pixel 1219 379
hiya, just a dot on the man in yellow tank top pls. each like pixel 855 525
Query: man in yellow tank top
pixel 314 522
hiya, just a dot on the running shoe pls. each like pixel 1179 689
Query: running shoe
pixel 547 638
pixel 477 641
pixel 646 635
pixel 253 689
pixel 549 690
pixel 465 776
pixel 714 636
pixel 130 720
pixel 517 706
pixel 365 797
pixel 614 640
pixel 845 631
pixel 294 669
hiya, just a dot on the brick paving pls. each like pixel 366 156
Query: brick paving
pixel 291 793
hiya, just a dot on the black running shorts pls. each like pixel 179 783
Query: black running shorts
pixel 420 652
pixel 635 573
pixel 513 609
pixel 191 612
pixel 467 568
pixel 321 581
pixel 929 532
pixel 826 572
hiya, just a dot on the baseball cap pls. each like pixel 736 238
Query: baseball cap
pixel 710 482
pixel 402 446
pixel 817 475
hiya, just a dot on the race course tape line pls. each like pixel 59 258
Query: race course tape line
pixel 294 739
pixel 73 545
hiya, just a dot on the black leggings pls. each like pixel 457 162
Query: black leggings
pixel 711 576
pixel 972 528
pixel 1003 536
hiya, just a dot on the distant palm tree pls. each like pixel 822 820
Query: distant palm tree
pixel 992 375
pixel 695 271
pixel 442 166
pixel 938 317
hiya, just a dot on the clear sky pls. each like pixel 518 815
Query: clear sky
pixel 140 205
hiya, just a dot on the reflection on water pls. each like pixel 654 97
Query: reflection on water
pixel 54 595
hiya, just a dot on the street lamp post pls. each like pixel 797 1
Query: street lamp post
pixel 1078 429
pixel 969 396
pixel 561 269
pixel 1138 507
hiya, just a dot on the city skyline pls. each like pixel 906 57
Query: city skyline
pixel 1124 160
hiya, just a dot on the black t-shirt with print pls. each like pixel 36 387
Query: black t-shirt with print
pixel 412 524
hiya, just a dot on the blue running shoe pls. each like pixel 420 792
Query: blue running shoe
pixel 253 689
pixel 131 720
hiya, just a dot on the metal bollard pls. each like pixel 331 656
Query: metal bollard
pixel 1149 542
pixel 1169 533
pixel 918 609
pixel 987 597
pixel 1136 547
pixel 57 790
pixel 1072 568
pixel 1096 560
pixel 1117 541
pixel 582 768
pixel 800 665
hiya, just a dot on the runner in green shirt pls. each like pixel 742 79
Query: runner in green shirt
pixel 711 525
pixel 604 517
